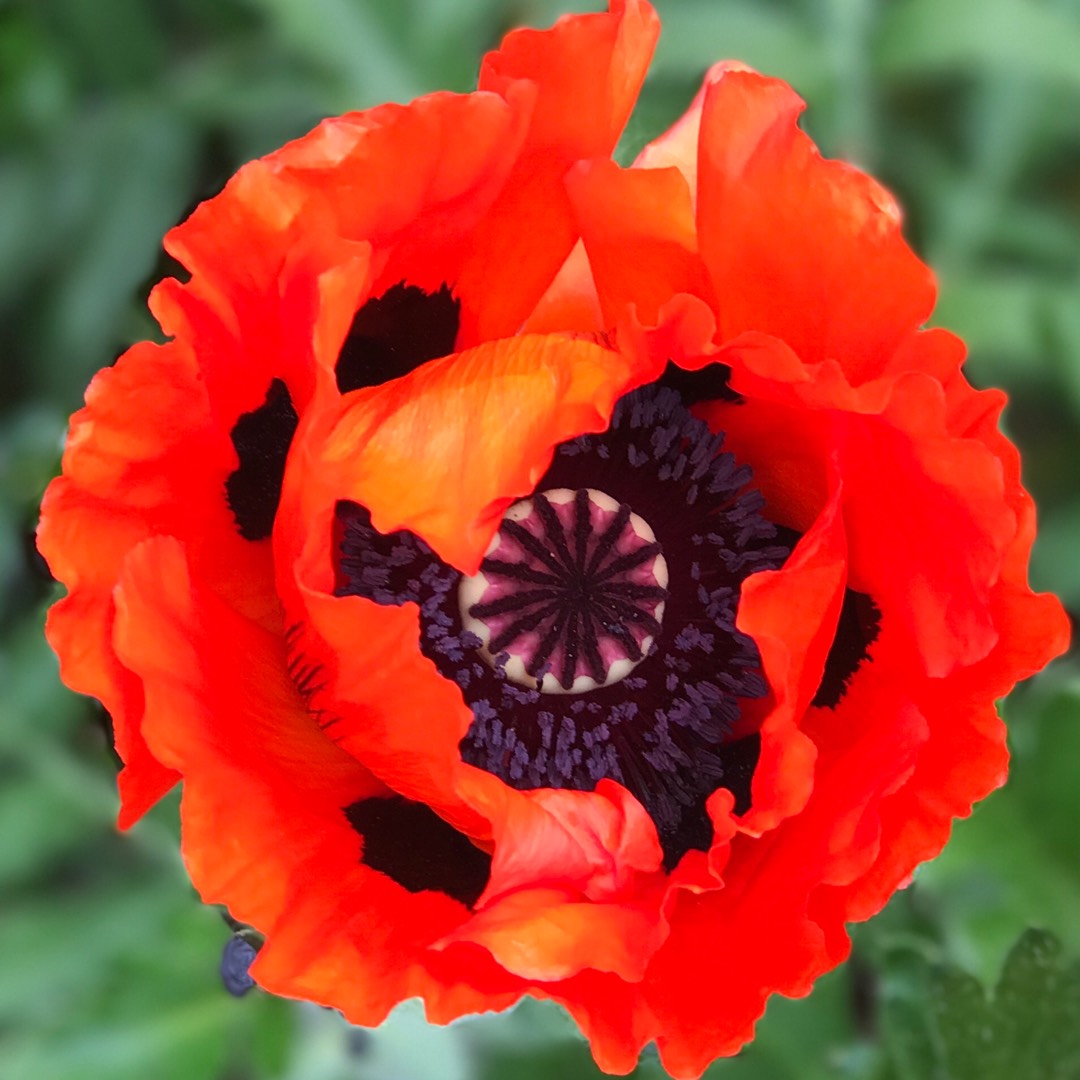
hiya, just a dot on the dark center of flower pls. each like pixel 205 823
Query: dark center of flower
pixel 570 595
pixel 598 639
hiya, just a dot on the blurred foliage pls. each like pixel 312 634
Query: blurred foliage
pixel 117 116
pixel 941 1023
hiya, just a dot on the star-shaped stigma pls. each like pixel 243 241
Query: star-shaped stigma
pixel 570 595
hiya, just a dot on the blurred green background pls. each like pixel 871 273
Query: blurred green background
pixel 117 116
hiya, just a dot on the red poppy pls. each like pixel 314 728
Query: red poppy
pixel 550 578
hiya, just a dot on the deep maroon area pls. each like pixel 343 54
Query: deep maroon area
pixel 262 439
pixel 410 843
pixel 395 333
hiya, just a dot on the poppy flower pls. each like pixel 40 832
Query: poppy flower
pixel 549 578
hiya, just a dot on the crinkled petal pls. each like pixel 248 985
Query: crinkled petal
pixel 639 231
pixel 445 450
pixel 807 250
pixel 140 457
pixel 587 71
pixel 377 695
pixel 547 935
pixel 263 814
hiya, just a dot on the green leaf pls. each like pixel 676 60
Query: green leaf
pixel 963 1020
pixel 907 1034
pixel 1025 1003
pixel 1059 1057
pixel 942 1025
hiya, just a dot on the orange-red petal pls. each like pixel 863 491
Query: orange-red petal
pixel 586 71
pixel 264 827
pixel 638 229
pixel 805 249
pixel 445 450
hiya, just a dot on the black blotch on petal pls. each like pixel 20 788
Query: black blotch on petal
pixel 410 843
pixel 857 630
pixel 710 383
pixel 262 438
pixel 395 333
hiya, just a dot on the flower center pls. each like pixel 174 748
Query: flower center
pixel 595 643
pixel 570 595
